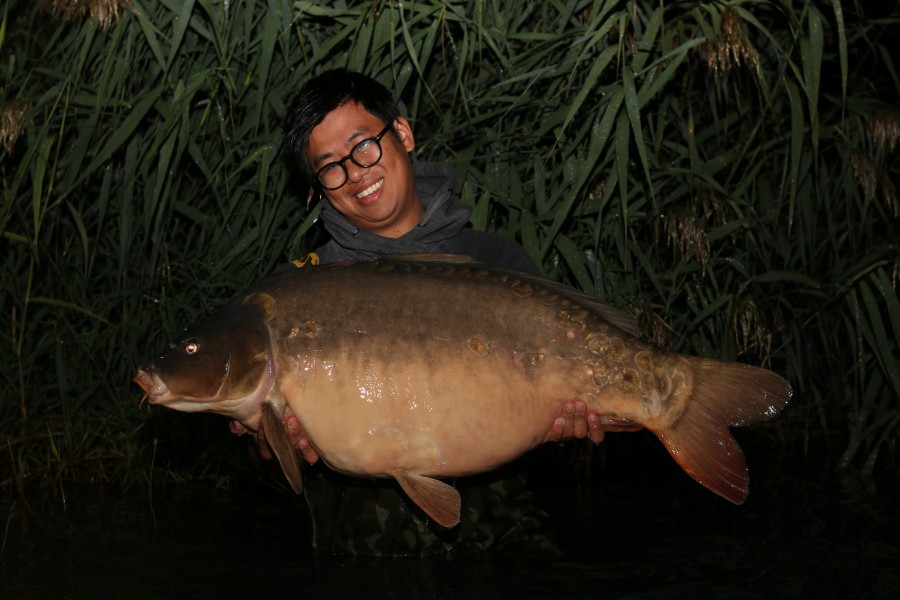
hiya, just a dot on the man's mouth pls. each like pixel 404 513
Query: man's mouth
pixel 370 190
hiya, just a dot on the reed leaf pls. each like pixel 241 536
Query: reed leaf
pixel 721 169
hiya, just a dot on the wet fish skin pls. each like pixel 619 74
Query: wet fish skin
pixel 421 369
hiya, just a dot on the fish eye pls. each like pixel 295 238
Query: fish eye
pixel 192 346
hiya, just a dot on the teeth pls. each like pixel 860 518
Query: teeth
pixel 371 189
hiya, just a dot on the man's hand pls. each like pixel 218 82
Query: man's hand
pixel 299 441
pixel 576 422
pixel 295 432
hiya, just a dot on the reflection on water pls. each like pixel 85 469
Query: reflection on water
pixel 662 536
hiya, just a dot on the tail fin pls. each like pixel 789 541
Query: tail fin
pixel 724 395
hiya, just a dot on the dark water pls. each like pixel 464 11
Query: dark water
pixel 630 535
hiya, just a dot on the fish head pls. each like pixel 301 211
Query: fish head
pixel 221 365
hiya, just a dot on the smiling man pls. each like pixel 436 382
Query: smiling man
pixel 366 173
pixel 345 135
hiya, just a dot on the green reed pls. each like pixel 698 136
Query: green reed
pixel 723 170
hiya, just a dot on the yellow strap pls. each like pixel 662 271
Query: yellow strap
pixel 312 258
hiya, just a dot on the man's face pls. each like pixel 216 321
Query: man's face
pixel 381 198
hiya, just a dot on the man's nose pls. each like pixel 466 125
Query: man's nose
pixel 354 171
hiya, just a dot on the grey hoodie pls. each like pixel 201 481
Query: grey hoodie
pixel 443 229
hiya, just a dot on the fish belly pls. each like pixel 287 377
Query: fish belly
pixel 367 416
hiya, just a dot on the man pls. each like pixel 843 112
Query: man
pixel 345 134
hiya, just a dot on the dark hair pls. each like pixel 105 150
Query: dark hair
pixel 321 95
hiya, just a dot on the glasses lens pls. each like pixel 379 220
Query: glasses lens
pixel 332 176
pixel 367 153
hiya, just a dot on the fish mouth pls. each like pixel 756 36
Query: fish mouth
pixel 155 390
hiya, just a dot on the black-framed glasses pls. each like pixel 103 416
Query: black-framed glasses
pixel 365 154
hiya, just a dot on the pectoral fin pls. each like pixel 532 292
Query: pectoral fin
pixel 281 444
pixel 440 501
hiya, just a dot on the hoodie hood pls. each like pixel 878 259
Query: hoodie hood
pixel 443 219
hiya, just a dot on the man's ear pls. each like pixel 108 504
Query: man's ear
pixel 404 132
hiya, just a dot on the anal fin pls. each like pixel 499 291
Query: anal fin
pixel 439 500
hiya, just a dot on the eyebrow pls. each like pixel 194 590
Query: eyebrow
pixel 350 141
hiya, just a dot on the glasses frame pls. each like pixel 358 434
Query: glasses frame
pixel 376 139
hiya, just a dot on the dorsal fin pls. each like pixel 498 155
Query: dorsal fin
pixel 617 317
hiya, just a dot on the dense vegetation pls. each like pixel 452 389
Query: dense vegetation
pixel 726 170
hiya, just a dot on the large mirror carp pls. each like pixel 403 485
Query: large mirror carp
pixel 423 368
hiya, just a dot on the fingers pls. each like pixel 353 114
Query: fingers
pixel 308 452
pixel 579 425
pixel 557 429
pixel 298 440
pixel 264 450
pixel 595 430
pixel 576 422
pixel 259 436
pixel 295 432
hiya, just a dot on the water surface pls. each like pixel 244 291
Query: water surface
pixel 630 532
